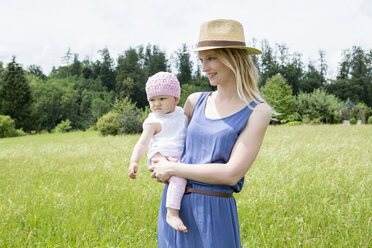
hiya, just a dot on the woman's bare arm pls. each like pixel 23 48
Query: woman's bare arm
pixel 242 157
pixel 190 104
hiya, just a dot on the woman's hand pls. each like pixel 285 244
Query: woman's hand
pixel 161 168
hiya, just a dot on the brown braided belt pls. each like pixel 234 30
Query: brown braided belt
pixel 189 189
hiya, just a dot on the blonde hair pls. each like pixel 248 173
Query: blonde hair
pixel 245 71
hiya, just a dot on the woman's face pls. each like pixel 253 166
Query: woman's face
pixel 216 71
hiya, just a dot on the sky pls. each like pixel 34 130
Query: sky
pixel 41 31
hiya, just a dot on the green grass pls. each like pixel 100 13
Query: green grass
pixel 309 187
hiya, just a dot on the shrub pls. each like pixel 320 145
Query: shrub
pixel 108 124
pixel 369 120
pixel 92 128
pixel 7 127
pixel 293 123
pixel 145 113
pixel 63 127
pixel 293 117
pixel 363 112
pixel 353 121
pixel 318 107
pixel 129 117
pixel 20 132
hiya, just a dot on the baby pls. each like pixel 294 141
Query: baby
pixel 164 133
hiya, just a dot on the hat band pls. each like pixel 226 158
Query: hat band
pixel 222 43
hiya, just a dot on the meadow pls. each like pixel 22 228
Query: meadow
pixel 309 187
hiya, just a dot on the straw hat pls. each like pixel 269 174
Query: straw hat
pixel 223 33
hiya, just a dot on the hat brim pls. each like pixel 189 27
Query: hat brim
pixel 251 50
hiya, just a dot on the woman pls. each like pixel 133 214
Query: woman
pixel 225 133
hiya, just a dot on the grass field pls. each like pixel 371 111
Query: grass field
pixel 309 187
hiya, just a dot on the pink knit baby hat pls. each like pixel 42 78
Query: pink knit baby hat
pixel 163 83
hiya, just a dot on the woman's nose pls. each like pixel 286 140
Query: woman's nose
pixel 204 66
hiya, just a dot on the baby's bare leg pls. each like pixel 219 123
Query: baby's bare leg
pixel 175 192
pixel 173 219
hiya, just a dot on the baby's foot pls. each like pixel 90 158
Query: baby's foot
pixel 173 219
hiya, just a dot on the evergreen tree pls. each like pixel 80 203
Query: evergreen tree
pixel 323 67
pixel 16 95
pixel 184 65
pixel 312 79
pixel 283 54
pixel 130 77
pixel 157 62
pixel 67 58
pixel 279 95
pixel 255 59
pixel 1 69
pixel 107 73
pixel 87 72
pixel 86 68
pixel 293 72
pixel 146 57
pixel 354 79
pixel 76 67
pixel 344 70
pixel 37 71
pixel 269 66
pixel 96 69
pixel 358 63
pixel 361 75
pixel 85 108
pixel 1 86
pixel 64 71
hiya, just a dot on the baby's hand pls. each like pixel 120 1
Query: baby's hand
pixel 132 170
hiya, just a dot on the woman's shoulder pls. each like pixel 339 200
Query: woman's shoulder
pixel 262 112
pixel 263 107
pixel 190 103
pixel 193 98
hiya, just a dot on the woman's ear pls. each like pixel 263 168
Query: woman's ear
pixel 177 100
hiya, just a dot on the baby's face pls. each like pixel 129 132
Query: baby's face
pixel 163 104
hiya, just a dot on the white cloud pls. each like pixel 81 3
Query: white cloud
pixel 41 31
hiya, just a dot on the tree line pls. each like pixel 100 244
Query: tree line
pixel 82 91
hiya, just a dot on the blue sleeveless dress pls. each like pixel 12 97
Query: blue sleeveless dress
pixel 212 222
